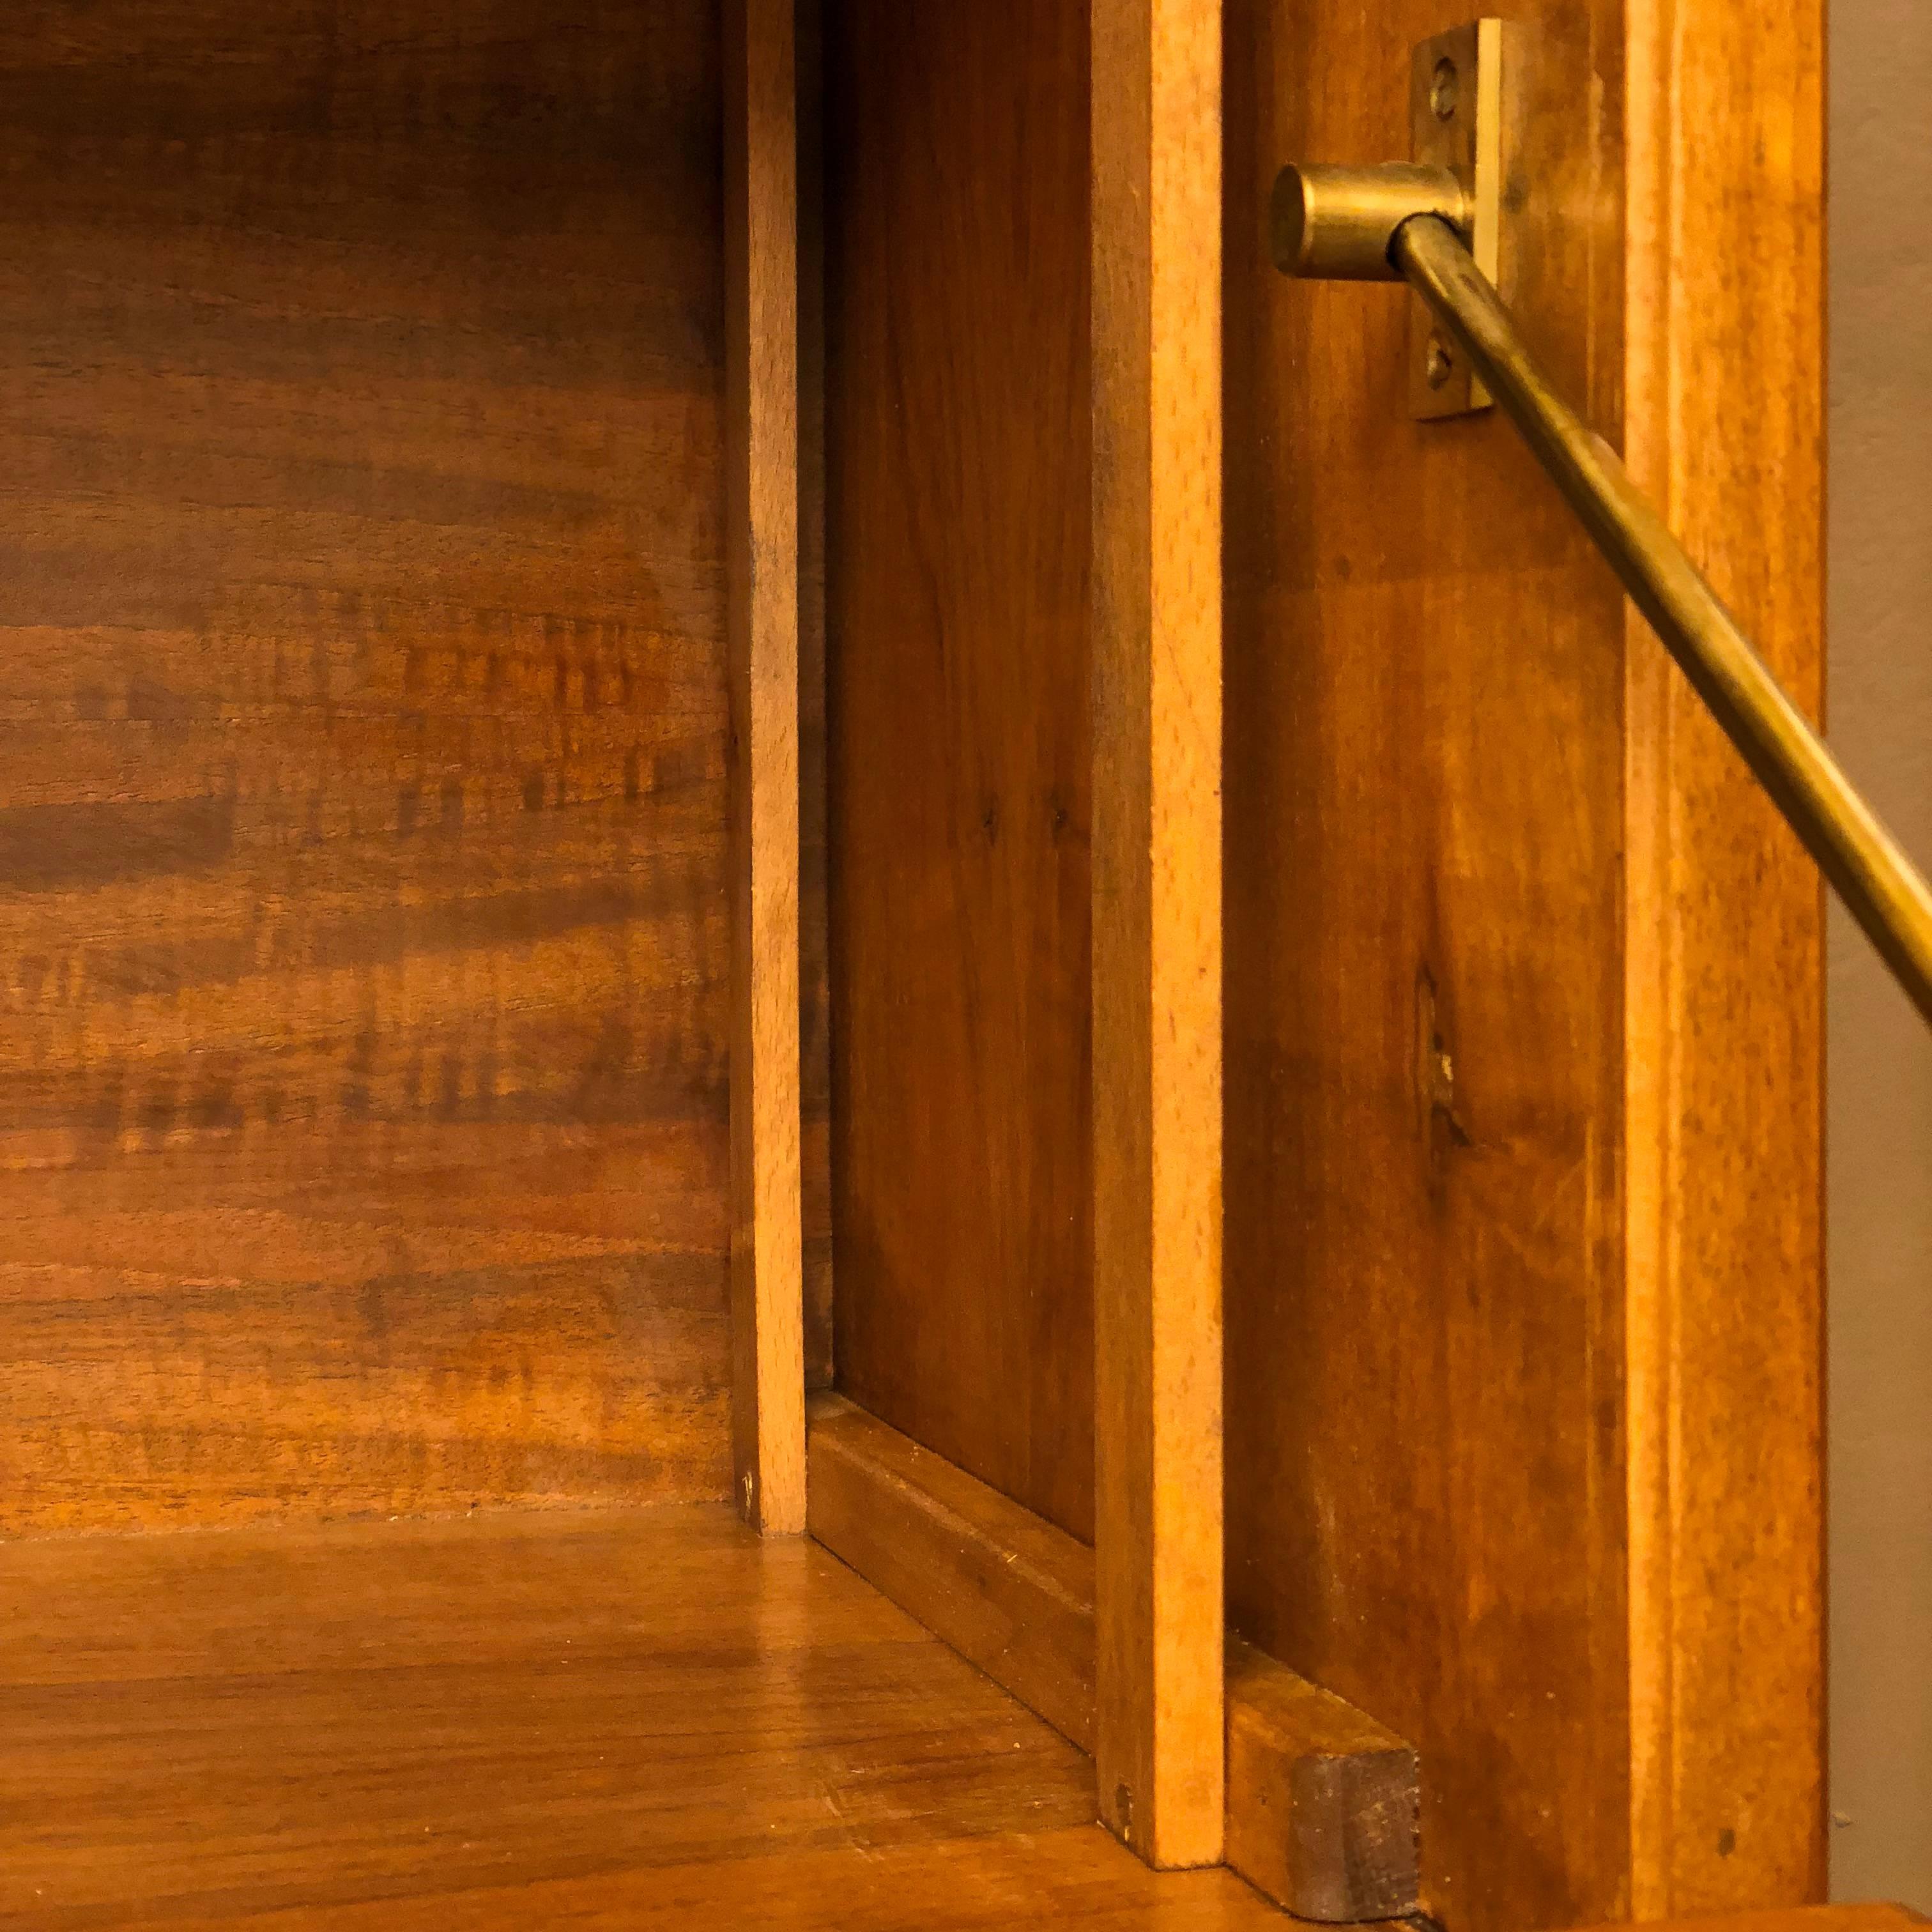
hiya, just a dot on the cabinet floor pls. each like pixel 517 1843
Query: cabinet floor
pixel 644 1717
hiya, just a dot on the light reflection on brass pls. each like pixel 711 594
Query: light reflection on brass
pixel 1337 224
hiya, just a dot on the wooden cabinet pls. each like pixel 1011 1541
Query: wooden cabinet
pixel 739 772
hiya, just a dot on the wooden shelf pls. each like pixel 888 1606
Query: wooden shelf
pixel 525 1719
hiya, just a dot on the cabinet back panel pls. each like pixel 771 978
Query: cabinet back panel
pixel 957 523
pixel 362 930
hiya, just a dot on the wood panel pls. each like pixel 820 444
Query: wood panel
pixel 363 934
pixel 1010 1591
pixel 1156 943
pixel 957 527
pixel 1540 1502
pixel 1725 994
pixel 761 246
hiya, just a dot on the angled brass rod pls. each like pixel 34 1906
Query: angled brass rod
pixel 1884 891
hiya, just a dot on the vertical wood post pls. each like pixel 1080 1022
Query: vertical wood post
pixel 1724 427
pixel 1157 153
pixel 761 430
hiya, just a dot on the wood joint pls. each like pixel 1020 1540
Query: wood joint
pixel 1322 1802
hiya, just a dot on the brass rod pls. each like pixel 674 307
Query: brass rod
pixel 1883 890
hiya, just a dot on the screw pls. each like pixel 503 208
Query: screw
pixel 1441 365
pixel 1444 90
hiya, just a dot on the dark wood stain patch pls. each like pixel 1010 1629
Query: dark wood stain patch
pixel 45 848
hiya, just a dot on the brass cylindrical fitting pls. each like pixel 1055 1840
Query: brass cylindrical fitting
pixel 1337 223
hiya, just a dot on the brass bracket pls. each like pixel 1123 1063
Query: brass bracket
pixel 1457 123
pixel 1340 223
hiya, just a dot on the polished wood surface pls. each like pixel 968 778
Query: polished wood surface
pixel 1724 1068
pixel 761 626
pixel 957 533
pixel 363 1132
pixel 1323 1802
pixel 1010 1591
pixel 813 930
pixel 1156 938
pixel 1502 1478
pixel 526 1720
pixel 1874 1917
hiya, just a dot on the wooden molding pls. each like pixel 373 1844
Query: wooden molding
pixel 1156 936
pixel 761 405
pixel 1324 1804
pixel 1005 1589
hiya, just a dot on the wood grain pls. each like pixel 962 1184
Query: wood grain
pixel 1065 1875
pixel 1858 1917
pixel 1010 1591
pixel 660 1718
pixel 614 1718
pixel 1322 1802
pixel 1504 1484
pixel 1156 940
pixel 261 1720
pixel 814 805
pixel 762 616
pixel 1724 1067
pixel 957 508
pixel 1425 757
pixel 363 935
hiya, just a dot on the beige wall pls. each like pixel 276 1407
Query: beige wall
pixel 1880 1120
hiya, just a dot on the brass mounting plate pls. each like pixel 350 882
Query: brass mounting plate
pixel 1457 121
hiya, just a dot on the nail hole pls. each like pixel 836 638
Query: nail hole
pixel 1444 89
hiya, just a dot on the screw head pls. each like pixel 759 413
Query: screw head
pixel 1441 364
pixel 1444 90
